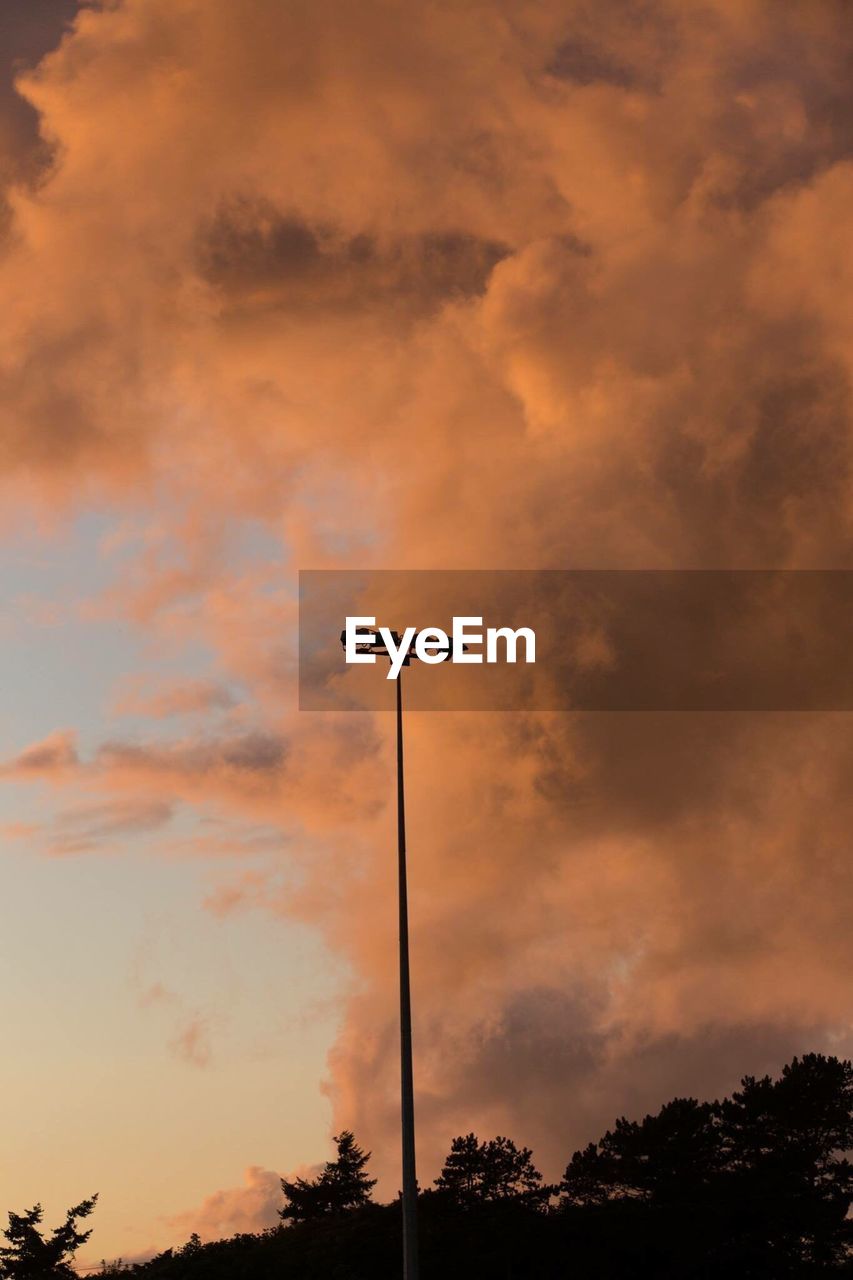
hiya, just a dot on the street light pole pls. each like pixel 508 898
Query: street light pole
pixel 407 1091
pixel 410 1182
pixel 372 644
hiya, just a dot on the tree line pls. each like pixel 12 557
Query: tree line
pixel 756 1185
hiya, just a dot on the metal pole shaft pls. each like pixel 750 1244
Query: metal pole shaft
pixel 410 1184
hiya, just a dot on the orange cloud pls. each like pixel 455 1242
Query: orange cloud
pixel 185 698
pixel 250 1208
pixel 53 758
pixel 191 1042
pixel 492 285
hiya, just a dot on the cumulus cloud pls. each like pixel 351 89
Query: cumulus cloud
pixel 252 1207
pixel 493 285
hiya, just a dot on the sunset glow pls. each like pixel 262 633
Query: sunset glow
pixel 308 284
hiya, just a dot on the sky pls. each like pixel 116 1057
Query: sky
pixel 501 284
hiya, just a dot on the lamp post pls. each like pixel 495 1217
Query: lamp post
pixel 410 1182
pixel 407 1089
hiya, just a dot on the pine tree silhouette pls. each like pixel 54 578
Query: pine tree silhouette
pixel 29 1256
pixel 342 1185
pixel 475 1172
pixel 759 1181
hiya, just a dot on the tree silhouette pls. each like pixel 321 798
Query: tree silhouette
pixel 460 1177
pixel 192 1246
pixel 342 1185
pixel 661 1156
pixel 761 1177
pixel 755 1186
pixel 784 1143
pixel 475 1172
pixel 29 1256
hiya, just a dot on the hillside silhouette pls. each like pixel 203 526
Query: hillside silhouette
pixel 756 1185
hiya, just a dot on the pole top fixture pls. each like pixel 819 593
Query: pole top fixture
pixel 378 646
